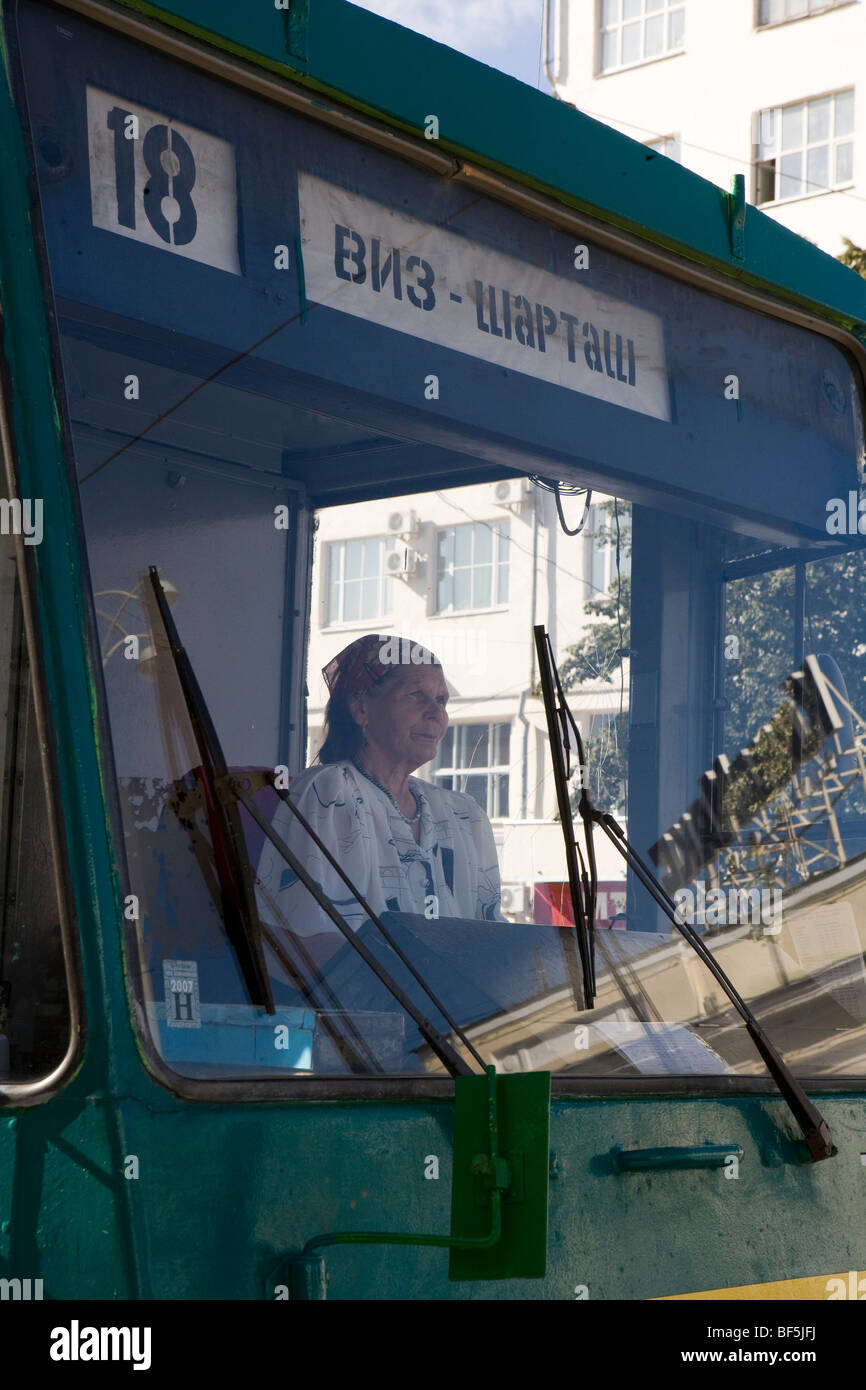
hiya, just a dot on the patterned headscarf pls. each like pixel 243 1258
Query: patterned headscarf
pixel 366 661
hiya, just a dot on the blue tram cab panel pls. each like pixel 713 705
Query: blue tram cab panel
pixel 262 318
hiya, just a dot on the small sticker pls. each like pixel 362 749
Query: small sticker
pixel 181 993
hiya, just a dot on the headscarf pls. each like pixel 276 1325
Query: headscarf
pixel 366 662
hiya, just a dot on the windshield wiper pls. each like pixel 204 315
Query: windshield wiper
pixel 240 914
pixel 239 911
pixel 816 1131
pixel 582 886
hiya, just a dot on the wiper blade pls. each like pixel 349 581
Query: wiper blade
pixel 816 1131
pixel 238 899
pixel 579 883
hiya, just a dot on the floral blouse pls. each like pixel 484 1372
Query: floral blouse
pixel 451 872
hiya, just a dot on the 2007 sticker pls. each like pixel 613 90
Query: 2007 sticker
pixel 182 1007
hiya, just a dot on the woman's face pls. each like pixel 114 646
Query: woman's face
pixel 407 718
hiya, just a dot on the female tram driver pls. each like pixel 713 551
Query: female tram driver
pixel 408 845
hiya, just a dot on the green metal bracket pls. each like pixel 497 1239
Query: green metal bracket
pixel 737 216
pixel 517 1132
pixel 487 1108
pixel 296 14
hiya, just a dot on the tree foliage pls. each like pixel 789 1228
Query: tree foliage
pixel 602 655
pixel 853 256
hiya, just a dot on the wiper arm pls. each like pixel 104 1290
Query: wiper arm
pixel 816 1131
pixel 231 858
pixel 580 885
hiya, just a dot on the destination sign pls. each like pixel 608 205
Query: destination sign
pixel 368 260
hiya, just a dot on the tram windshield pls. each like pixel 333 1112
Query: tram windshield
pixel 319 393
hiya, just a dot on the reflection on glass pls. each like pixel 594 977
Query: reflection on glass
pixel 791 177
pixel 844 113
pixel 792 127
pixel 819 119
pixel 818 169
pixel 676 28
pixel 844 163
pixel 706 580
pixel 631 35
pixel 654 36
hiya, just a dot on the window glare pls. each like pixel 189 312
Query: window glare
pixel 474 759
pixel 778 11
pixel 844 113
pixel 467 558
pixel 792 127
pixel 844 163
pixel 356 585
pixel 819 119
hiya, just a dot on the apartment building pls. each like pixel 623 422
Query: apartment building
pixel 767 88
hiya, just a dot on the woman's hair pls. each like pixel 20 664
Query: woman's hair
pixel 344 738
pixel 361 668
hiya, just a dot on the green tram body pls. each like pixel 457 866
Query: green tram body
pixel 234 1177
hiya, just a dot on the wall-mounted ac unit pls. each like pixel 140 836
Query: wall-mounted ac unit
pixel 509 492
pixel 401 562
pixel 403 523
pixel 514 897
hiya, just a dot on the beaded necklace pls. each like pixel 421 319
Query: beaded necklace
pixel 410 820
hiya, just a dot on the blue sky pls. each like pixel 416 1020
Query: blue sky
pixel 506 34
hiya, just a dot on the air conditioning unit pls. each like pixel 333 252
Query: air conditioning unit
pixel 401 562
pixel 403 523
pixel 510 492
pixel 514 897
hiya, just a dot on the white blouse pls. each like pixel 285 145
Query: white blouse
pixel 451 872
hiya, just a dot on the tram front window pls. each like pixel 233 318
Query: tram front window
pixel 320 393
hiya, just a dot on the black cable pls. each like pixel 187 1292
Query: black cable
pixel 569 531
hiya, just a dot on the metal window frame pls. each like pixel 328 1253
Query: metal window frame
pixel 34 1092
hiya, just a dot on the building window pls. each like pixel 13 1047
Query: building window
pixel 668 145
pixel 805 148
pixel 475 758
pixel 634 31
pixel 357 587
pixel 472 566
pixel 779 11
pixel 602 550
